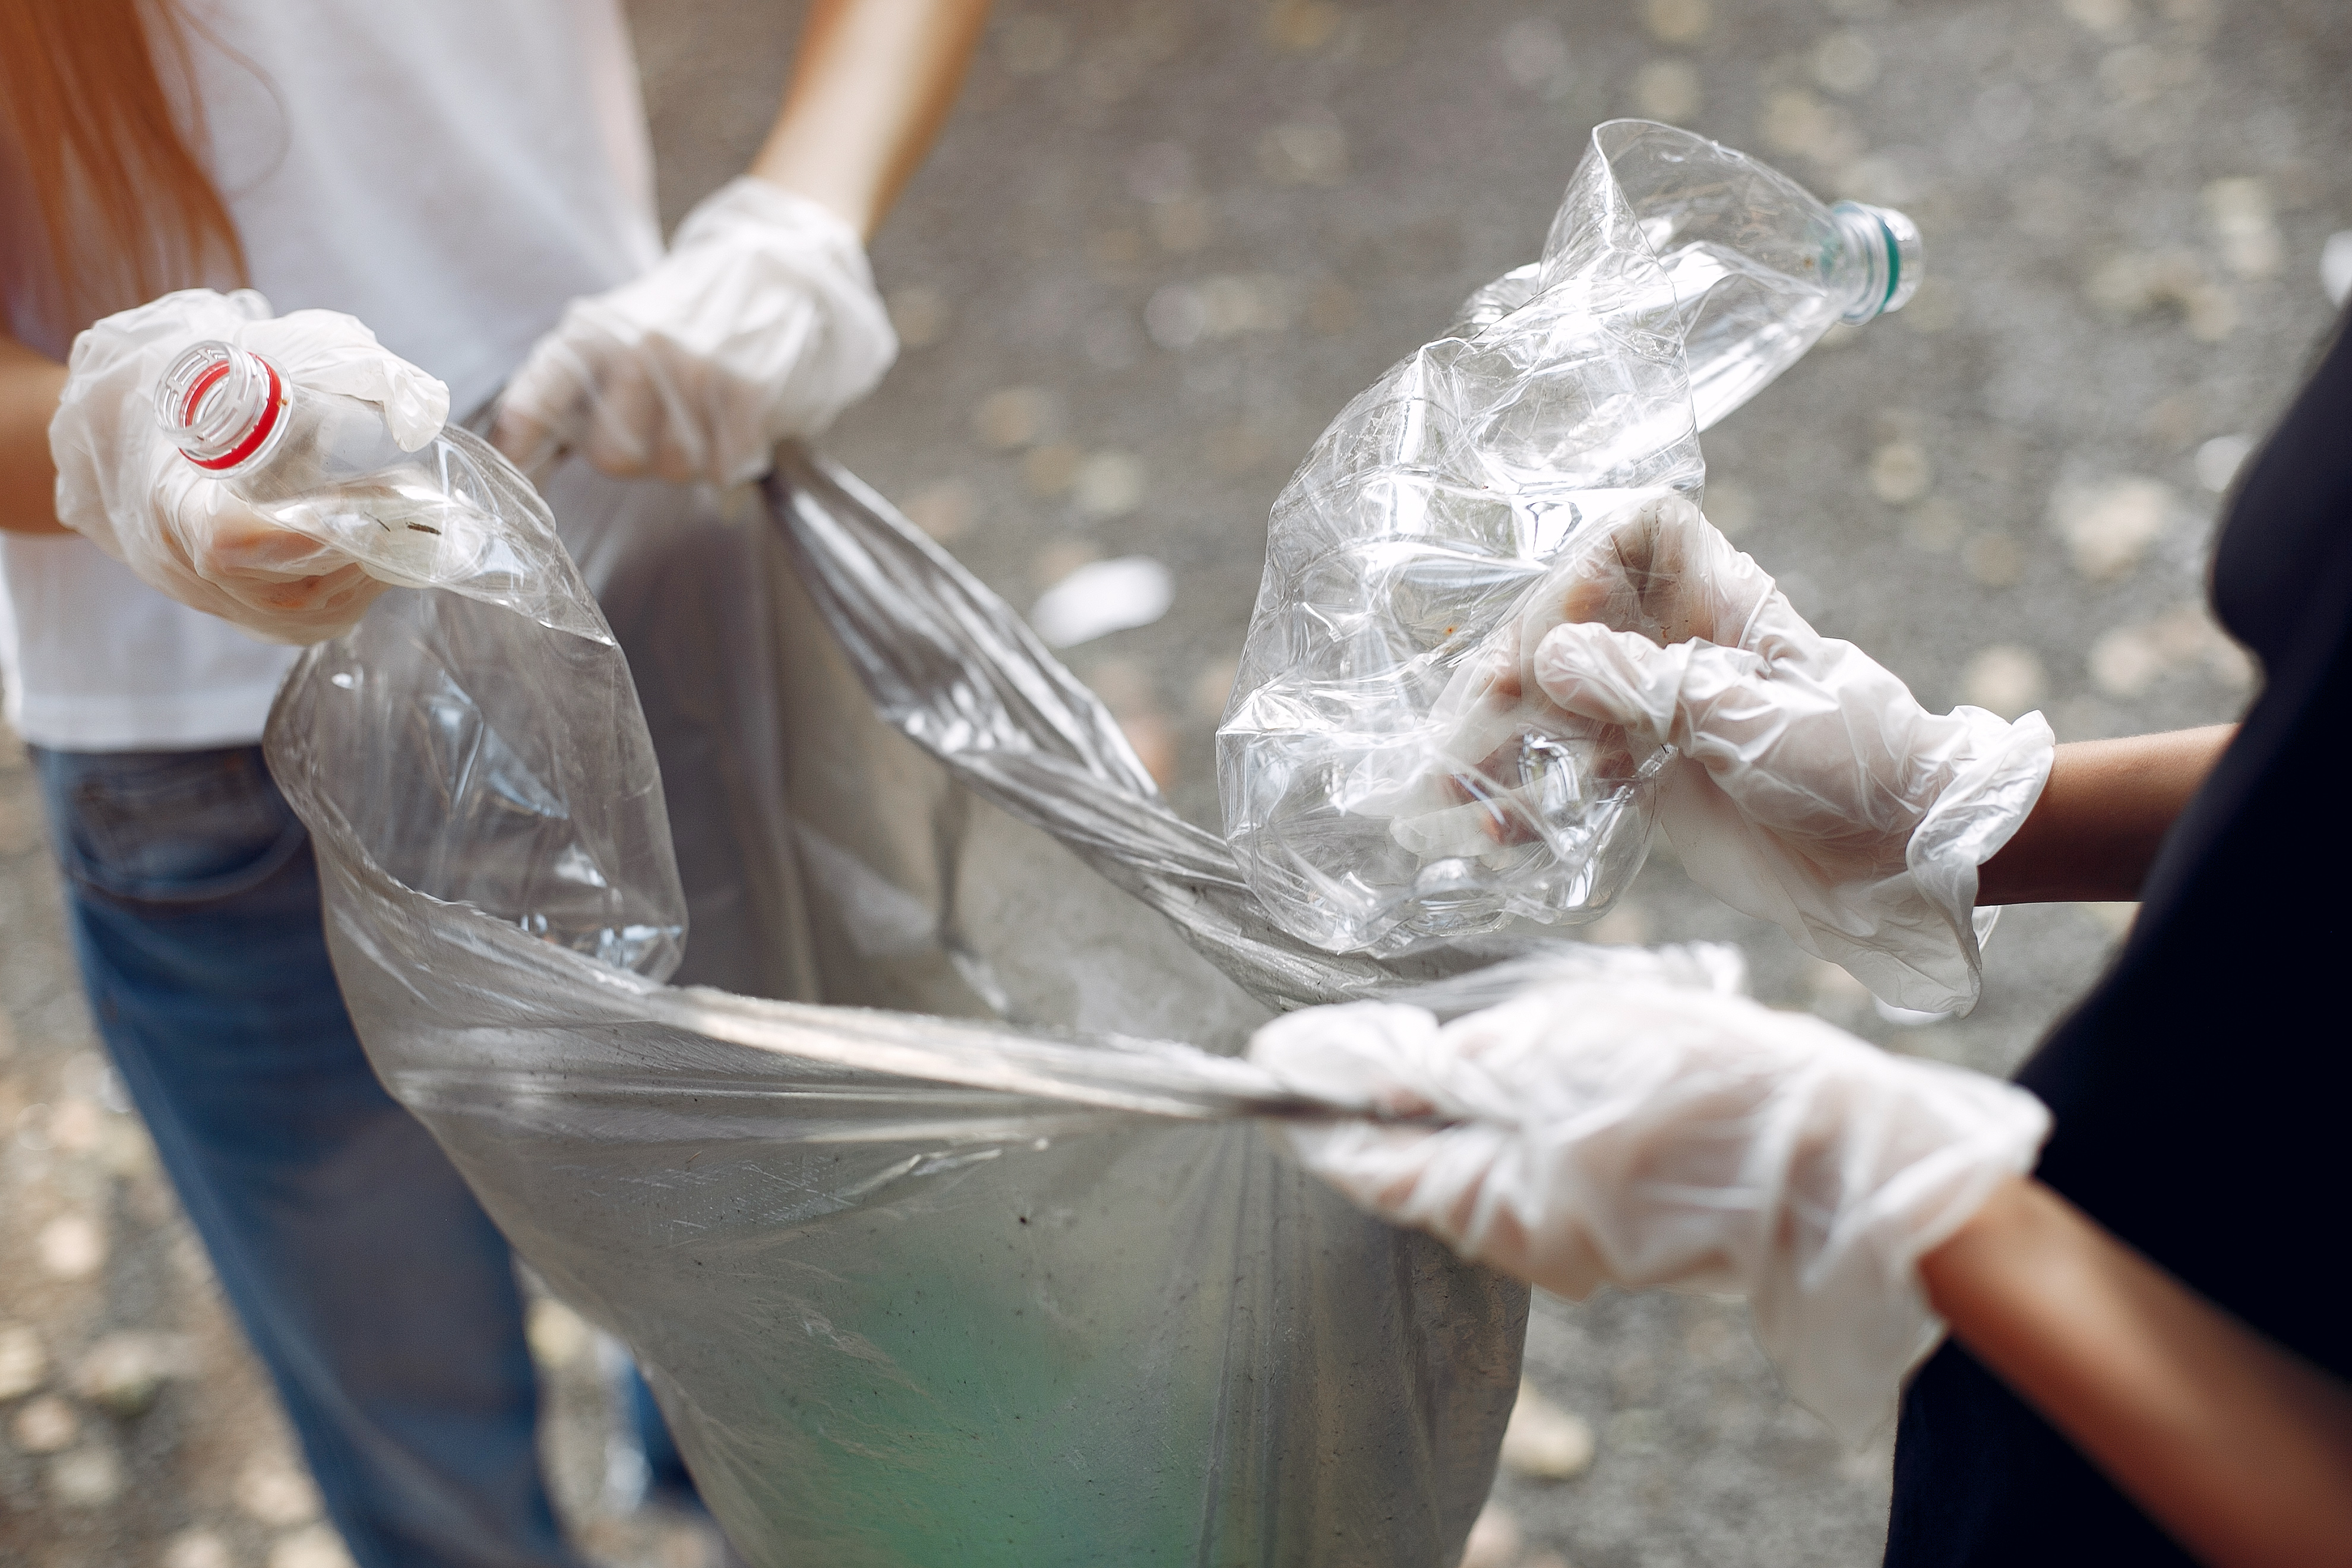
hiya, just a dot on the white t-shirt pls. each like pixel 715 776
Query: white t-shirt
pixel 450 172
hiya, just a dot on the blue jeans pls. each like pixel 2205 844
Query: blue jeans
pixel 379 1295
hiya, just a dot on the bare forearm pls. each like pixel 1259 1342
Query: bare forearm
pixel 29 385
pixel 2108 804
pixel 872 84
pixel 2243 1452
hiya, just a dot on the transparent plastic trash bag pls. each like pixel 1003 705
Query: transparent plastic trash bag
pixel 1679 278
pixel 928 1194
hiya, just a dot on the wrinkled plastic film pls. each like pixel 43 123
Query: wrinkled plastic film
pixel 455 515
pixel 1679 278
pixel 479 758
pixel 956 671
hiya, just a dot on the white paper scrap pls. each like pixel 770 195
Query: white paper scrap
pixel 1103 597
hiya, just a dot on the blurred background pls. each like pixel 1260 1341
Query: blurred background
pixel 1161 245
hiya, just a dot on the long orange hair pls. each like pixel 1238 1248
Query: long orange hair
pixel 126 208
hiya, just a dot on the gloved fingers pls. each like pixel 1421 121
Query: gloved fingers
pixel 1505 758
pixel 545 408
pixel 1441 1181
pixel 1831 745
pixel 245 547
pixel 628 414
pixel 1575 1102
pixel 1483 705
pixel 1392 1060
pixel 310 609
pixel 676 410
pixel 798 275
pixel 762 323
pixel 1378 1166
pixel 331 352
pixel 678 403
pixel 607 399
pixel 659 409
pixel 1637 573
pixel 1551 760
pixel 1617 677
pixel 124 487
pixel 1652 1135
pixel 633 404
pixel 1657 567
pixel 1815 768
pixel 1383 1057
pixel 103 435
pixel 1466 816
pixel 139 341
pixel 295 609
pixel 1641 572
pixel 529 446
pixel 277 582
pixel 1489 708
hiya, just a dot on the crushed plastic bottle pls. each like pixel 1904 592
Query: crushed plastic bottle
pixel 452 514
pixel 1679 279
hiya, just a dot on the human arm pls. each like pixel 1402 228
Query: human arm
pixel 1862 1202
pixel 2095 830
pixel 872 83
pixel 30 382
pixel 763 323
pixel 2240 1450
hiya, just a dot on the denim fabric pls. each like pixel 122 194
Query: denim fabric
pixel 376 1290
pixel 667 1480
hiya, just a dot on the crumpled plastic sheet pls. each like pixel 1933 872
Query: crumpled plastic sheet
pixel 952 668
pixel 430 520
pixel 1677 279
pixel 932 1200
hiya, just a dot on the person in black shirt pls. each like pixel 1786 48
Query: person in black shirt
pixel 2197 1094
pixel 2148 1360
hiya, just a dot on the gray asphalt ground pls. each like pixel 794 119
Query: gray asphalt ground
pixel 1161 245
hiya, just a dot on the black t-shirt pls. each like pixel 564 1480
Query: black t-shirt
pixel 2203 1092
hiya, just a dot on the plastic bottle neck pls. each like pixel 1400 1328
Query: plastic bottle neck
pixel 1881 259
pixel 224 407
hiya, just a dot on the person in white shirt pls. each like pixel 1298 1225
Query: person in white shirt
pixel 423 204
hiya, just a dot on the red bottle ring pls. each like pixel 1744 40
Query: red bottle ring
pixel 254 437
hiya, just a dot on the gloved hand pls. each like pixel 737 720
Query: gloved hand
pixel 1648 1136
pixel 1467 806
pixel 1814 790
pixel 123 486
pixel 763 323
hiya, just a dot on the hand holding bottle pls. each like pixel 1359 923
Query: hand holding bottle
pixel 761 322
pixel 1815 790
pixel 130 489
pixel 1679 278
pixel 1639 567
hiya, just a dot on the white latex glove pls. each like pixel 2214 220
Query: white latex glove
pixel 1813 790
pixel 1650 1137
pixel 123 486
pixel 761 322
pixel 1462 806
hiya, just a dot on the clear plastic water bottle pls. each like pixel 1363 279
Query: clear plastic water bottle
pixel 1679 279
pixel 452 514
